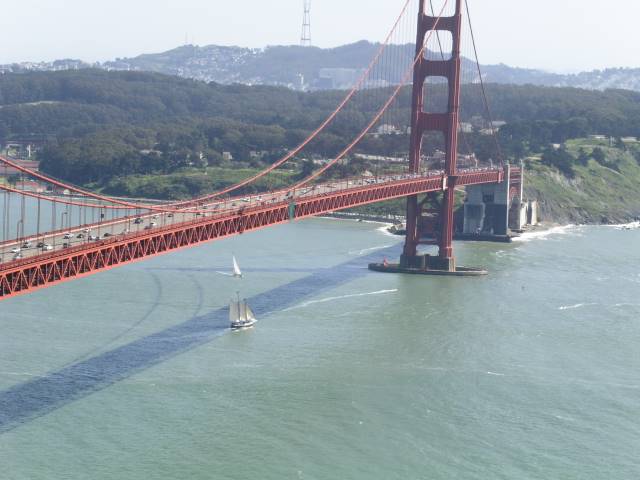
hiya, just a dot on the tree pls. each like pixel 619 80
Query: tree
pixel 307 169
pixel 583 157
pixel 620 144
pixel 560 159
pixel 4 133
pixel 598 155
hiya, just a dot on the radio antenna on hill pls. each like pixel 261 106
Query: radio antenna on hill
pixel 305 39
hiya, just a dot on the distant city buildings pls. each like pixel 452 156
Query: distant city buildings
pixel 338 78
pixel 466 127
pixel 55 66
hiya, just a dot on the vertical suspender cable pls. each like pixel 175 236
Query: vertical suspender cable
pixel 484 92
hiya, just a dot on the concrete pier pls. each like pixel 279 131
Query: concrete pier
pixel 427 265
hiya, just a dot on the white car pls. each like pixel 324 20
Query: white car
pixel 46 247
pixel 15 250
pixel 26 244
pixel 67 236
pixel 17 256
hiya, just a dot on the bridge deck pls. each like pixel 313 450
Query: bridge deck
pixel 222 219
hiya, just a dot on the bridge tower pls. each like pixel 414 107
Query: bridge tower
pixel 446 123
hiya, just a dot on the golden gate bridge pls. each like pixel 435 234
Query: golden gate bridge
pixel 109 232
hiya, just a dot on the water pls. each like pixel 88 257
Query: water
pixel 529 373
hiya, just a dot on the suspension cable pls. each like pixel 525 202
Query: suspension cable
pixel 245 182
pixel 405 79
pixel 316 132
pixel 484 92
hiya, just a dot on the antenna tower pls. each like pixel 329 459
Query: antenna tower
pixel 305 38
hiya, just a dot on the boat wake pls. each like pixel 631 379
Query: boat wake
pixel 341 297
pixel 367 250
pixel 576 306
pixel 624 305
pixel 226 274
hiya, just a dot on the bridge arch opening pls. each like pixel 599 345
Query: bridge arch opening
pixel 439 46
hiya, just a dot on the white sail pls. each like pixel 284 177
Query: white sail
pixel 233 311
pixel 243 311
pixel 249 312
pixel 236 268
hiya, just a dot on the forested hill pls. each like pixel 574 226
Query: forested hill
pixel 108 124
pixel 63 102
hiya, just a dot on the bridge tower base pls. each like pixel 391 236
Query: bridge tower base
pixel 427 265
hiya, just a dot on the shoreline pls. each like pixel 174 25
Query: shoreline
pixel 541 230
pixel 363 217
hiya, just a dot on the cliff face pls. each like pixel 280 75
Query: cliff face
pixel 605 192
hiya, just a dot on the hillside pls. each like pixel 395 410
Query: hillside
pixel 282 65
pixel 317 68
pixel 600 190
pixel 161 136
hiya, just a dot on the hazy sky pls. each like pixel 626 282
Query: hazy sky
pixel 559 35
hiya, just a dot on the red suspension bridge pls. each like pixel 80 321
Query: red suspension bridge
pixel 110 232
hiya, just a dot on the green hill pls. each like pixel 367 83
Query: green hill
pixel 162 136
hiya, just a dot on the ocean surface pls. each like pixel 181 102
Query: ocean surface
pixel 530 373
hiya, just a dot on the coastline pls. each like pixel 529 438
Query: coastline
pixel 363 217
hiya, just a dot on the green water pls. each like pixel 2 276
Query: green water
pixel 530 373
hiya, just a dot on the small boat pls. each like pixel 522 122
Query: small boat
pixel 236 268
pixel 240 314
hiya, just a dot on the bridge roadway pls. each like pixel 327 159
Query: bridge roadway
pixel 86 249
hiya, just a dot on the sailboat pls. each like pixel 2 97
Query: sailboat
pixel 236 268
pixel 240 314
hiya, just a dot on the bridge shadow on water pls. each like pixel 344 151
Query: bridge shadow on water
pixel 29 400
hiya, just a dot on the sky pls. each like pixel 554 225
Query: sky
pixel 554 35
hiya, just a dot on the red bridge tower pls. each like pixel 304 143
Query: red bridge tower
pixel 446 123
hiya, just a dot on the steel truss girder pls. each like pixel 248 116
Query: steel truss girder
pixel 44 270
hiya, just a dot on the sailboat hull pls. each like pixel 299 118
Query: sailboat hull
pixel 242 324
